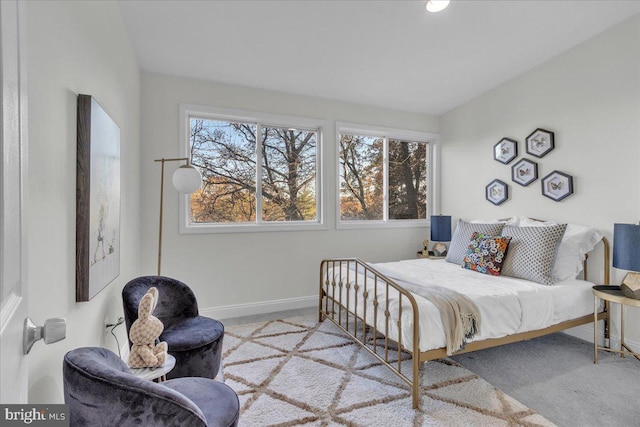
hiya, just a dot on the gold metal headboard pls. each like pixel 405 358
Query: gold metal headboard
pixel 606 261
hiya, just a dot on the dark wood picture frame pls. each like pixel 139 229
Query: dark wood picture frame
pixel 524 172
pixel 557 186
pixel 540 142
pixel 97 199
pixel 505 150
pixel 497 192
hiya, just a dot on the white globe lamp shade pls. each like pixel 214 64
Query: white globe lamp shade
pixel 437 5
pixel 187 179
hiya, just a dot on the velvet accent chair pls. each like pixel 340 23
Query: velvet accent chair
pixel 101 391
pixel 195 341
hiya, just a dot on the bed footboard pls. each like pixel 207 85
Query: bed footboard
pixel 357 298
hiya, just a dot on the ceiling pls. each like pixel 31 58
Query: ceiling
pixel 385 53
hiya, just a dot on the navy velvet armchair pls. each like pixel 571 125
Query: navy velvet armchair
pixel 195 341
pixel 101 391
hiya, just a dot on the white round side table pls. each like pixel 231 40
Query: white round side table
pixel 155 373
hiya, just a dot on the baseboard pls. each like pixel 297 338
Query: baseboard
pixel 250 309
pixel 585 332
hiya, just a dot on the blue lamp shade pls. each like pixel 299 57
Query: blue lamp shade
pixel 441 228
pixel 626 246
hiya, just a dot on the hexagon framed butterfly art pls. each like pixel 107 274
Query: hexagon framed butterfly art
pixel 524 172
pixel 497 192
pixel 505 150
pixel 540 142
pixel 557 186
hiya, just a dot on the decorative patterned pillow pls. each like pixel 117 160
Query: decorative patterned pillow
pixel 462 236
pixel 532 252
pixel 576 242
pixel 486 254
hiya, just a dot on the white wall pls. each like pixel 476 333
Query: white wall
pixel 590 97
pixel 74 47
pixel 246 268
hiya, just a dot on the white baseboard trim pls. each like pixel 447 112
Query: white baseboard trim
pixel 250 309
pixel 585 332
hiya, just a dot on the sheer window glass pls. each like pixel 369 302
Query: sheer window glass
pixel 256 175
pixel 383 179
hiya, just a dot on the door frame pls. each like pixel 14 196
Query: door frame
pixel 13 128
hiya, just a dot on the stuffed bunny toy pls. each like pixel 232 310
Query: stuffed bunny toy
pixel 143 334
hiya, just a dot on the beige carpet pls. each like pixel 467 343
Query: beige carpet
pixel 298 372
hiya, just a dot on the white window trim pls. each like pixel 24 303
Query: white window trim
pixel 432 175
pixel 276 120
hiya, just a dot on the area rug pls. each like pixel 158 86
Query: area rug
pixel 299 372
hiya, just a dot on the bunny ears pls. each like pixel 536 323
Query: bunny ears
pixel 148 303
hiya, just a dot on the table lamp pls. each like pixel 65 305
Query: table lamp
pixel 440 232
pixel 626 256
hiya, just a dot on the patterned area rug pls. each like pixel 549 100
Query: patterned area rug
pixel 298 372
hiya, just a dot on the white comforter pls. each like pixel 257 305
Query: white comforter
pixel 506 305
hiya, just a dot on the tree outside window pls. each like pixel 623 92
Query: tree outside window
pixel 382 178
pixel 407 180
pixel 253 173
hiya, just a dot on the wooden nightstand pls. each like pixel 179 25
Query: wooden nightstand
pixel 612 294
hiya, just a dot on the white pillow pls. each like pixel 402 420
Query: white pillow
pixel 523 221
pixel 506 221
pixel 576 242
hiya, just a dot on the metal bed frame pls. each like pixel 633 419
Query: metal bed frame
pixel 335 307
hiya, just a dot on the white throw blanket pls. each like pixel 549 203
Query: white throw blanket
pixel 460 315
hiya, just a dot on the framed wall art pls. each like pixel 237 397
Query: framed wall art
pixel 497 192
pixel 557 186
pixel 97 199
pixel 540 142
pixel 524 172
pixel 505 150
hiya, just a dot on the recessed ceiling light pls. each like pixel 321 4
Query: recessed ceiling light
pixel 437 5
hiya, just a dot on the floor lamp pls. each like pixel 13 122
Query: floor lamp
pixel 186 179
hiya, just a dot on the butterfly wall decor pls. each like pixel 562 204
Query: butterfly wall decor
pixel 524 172
pixel 497 192
pixel 505 150
pixel 540 142
pixel 557 185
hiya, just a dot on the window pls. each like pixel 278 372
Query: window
pixel 383 176
pixel 259 171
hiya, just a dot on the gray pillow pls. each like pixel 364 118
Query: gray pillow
pixel 532 252
pixel 462 237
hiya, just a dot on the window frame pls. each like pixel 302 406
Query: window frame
pixel 431 173
pixel 188 111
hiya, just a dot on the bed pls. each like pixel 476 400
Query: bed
pixel 535 291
